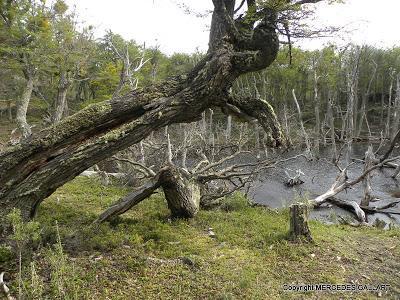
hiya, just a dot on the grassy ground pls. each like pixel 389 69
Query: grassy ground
pixel 146 255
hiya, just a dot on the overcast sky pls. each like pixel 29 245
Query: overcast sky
pixel 164 23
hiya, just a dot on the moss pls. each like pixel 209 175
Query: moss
pixel 146 255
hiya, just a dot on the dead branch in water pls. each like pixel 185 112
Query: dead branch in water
pixel 342 183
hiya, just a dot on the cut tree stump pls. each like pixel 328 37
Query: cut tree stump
pixel 299 223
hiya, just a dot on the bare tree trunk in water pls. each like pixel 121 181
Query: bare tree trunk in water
pixel 317 132
pixel 396 115
pixel 389 113
pixel 369 163
pixel 363 111
pixel 352 78
pixel 22 106
pixel 303 130
pixel 331 121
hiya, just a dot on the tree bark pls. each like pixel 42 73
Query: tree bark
pixel 317 130
pixel 60 104
pixel 387 131
pixel 22 106
pixel 303 130
pixel 363 111
pixel 396 107
pixel 331 121
pixel 183 197
pixel 299 223
pixel 369 163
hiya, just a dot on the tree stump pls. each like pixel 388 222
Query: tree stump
pixel 183 196
pixel 299 223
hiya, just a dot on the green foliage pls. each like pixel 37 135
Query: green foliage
pixel 6 254
pixel 60 7
pixel 22 233
pixel 236 202
pixel 105 82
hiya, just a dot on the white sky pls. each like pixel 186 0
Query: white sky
pixel 162 22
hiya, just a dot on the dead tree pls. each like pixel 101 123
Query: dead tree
pixel 187 190
pixel 369 162
pixel 228 132
pixel 293 180
pixel 387 129
pixel 303 130
pixel 331 122
pixel 128 68
pixel 363 111
pixel 396 108
pixel 317 129
pixel 352 100
pixel 182 188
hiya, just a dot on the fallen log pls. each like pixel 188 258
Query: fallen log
pixel 183 197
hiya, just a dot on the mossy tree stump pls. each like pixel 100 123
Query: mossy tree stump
pixel 299 229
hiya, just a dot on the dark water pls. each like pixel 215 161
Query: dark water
pixel 269 188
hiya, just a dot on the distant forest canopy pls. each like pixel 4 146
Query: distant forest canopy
pixel 46 49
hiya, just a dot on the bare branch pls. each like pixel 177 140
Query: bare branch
pixel 220 162
pixel 4 288
pixel 138 166
pixel 391 147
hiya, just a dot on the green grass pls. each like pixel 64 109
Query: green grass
pixel 146 255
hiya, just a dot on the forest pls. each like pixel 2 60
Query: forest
pixel 257 169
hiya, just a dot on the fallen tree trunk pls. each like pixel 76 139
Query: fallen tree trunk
pixel 183 197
